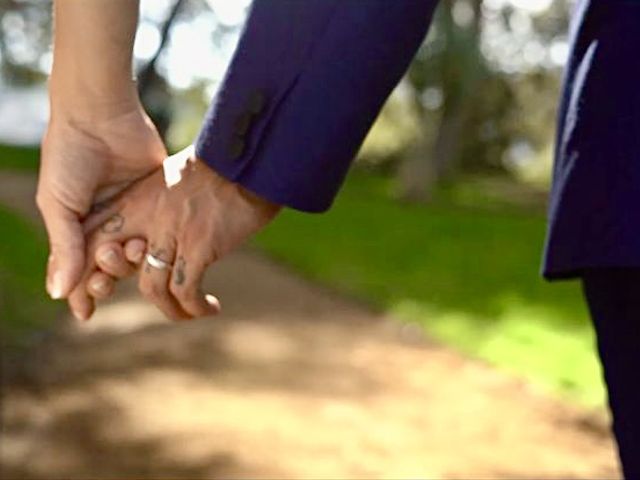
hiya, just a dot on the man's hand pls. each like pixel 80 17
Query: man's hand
pixel 83 163
pixel 198 215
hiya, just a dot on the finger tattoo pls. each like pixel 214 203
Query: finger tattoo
pixel 181 265
pixel 100 206
pixel 114 224
pixel 159 253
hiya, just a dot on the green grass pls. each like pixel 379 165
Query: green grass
pixel 468 274
pixel 24 306
pixel 464 267
pixel 19 158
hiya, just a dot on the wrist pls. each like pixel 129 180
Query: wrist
pixel 265 207
pixel 92 73
pixel 82 100
pixel 233 192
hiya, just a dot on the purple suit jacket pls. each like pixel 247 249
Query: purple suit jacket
pixel 594 214
pixel 307 81
pixel 309 78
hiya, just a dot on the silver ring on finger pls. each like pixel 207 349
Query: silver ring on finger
pixel 157 263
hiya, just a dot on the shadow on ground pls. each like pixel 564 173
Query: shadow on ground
pixel 291 381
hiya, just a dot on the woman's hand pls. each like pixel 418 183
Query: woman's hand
pixel 190 217
pixel 99 139
pixel 84 162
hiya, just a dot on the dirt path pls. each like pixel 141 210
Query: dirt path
pixel 292 381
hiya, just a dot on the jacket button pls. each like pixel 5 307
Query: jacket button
pixel 242 124
pixel 257 102
pixel 236 148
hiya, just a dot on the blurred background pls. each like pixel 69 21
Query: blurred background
pixel 405 332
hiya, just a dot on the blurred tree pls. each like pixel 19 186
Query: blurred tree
pixel 25 47
pixel 444 75
pixel 25 33
pixel 188 109
pixel 484 87
pixel 480 95
pixel 153 87
pixel 156 91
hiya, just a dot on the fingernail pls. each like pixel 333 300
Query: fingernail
pixel 109 257
pixel 213 301
pixel 137 256
pixel 99 285
pixel 78 316
pixel 55 289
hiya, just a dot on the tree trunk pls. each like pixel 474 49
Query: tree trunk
pixel 417 175
pixel 148 74
pixel 429 162
pixel 446 148
pixel 152 87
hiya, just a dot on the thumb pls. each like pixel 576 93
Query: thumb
pixel 67 249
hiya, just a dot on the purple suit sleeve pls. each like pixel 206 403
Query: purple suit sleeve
pixel 304 87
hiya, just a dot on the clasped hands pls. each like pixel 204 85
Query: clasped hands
pixel 189 217
pixel 177 209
